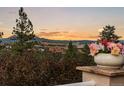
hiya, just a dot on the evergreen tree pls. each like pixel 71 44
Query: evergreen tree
pixel 68 64
pixel 1 46
pixel 23 31
pixel 108 33
pixel 72 51
pixel 1 34
pixel 86 58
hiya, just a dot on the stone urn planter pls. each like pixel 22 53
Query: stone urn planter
pixel 109 61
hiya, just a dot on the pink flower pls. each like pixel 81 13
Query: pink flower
pixel 111 45
pixel 94 48
pixel 119 45
pixel 122 51
pixel 101 47
pixel 104 42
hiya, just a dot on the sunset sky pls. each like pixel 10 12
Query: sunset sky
pixel 67 23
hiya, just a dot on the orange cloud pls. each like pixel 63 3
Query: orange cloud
pixel 81 37
pixel 44 29
pixel 66 35
pixel 92 37
pixel 74 36
pixel 47 34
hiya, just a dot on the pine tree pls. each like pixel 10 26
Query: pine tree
pixel 23 30
pixel 1 34
pixel 1 46
pixel 72 51
pixel 85 57
pixel 108 33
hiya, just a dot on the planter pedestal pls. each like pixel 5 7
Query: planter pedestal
pixel 102 77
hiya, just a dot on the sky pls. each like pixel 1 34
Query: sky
pixel 65 23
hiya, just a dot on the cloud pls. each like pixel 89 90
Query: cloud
pixel 65 32
pixel 74 36
pixel 93 37
pixel 81 36
pixel 62 30
pixel 49 34
pixel 66 35
pixel 44 29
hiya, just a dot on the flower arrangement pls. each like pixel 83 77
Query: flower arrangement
pixel 110 47
pixel 108 43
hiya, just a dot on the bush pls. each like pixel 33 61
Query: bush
pixel 41 68
pixel 26 69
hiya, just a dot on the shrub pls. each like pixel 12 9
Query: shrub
pixel 41 68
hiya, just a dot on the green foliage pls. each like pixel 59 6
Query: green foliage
pixel 1 34
pixel 70 60
pixel 42 68
pixel 17 48
pixel 2 47
pixel 71 53
pixel 20 70
pixel 23 31
pixel 108 33
pixel 86 58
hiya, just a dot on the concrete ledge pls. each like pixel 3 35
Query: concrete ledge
pixel 97 70
pixel 102 77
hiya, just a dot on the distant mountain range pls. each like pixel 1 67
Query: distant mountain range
pixel 13 39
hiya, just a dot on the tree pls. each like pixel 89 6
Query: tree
pixel 85 57
pixel 72 51
pixel 1 46
pixel 68 63
pixel 1 34
pixel 23 30
pixel 108 33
